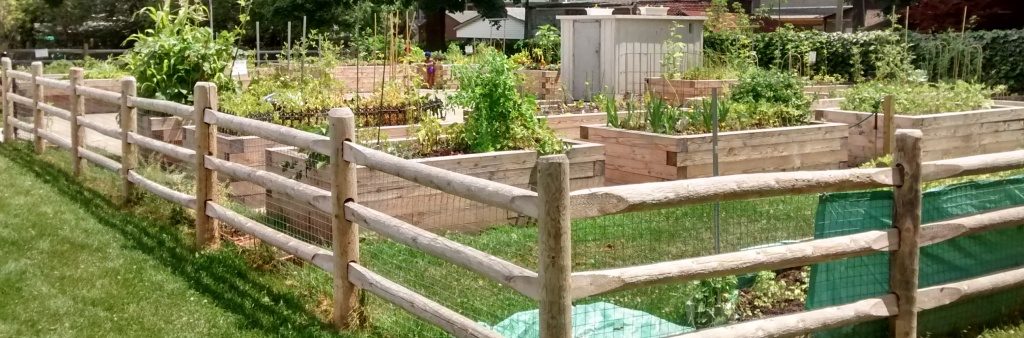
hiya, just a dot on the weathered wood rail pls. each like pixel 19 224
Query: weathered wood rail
pixel 552 284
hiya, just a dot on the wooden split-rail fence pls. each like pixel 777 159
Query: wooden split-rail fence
pixel 554 286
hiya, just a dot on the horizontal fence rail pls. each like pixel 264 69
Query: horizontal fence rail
pixel 647 196
pixel 99 94
pixel 167 107
pixel 434 313
pixel 469 187
pixel 53 83
pixel 310 195
pixel 590 283
pixel 102 130
pixel 311 253
pixel 274 132
pixel 178 153
pixel 494 268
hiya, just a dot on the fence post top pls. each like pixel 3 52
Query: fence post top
pixel 912 133
pixel 6 63
pixel 76 70
pixel 556 158
pixel 205 85
pixel 340 112
pixel 127 79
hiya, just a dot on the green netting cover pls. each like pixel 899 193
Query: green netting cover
pixel 597 320
pixel 849 280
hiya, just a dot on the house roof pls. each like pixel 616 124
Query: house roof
pixel 515 13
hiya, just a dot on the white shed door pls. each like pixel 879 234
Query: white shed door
pixel 586 77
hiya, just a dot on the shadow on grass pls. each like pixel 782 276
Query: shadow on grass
pixel 222 275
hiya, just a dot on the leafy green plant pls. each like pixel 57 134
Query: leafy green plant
pixel 168 59
pixel 543 50
pixel 854 57
pixel 611 109
pixel 710 302
pixel 770 295
pixel 920 98
pixel 501 118
pixel 661 117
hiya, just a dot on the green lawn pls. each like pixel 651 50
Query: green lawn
pixel 73 264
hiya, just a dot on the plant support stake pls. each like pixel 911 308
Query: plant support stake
pixel 714 165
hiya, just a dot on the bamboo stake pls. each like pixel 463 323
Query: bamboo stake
pixel 906 218
pixel 8 107
pixel 129 152
pixel 345 234
pixel 555 245
pixel 207 228
pixel 37 114
pixel 77 112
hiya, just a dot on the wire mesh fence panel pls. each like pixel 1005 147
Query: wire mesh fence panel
pixel 647 237
pixel 660 235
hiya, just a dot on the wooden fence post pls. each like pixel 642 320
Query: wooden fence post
pixel 207 228
pixel 555 246
pixel 887 118
pixel 37 114
pixel 77 102
pixel 345 234
pixel 129 153
pixel 906 217
pixel 7 106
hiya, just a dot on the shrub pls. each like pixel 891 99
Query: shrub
pixel 919 98
pixel 854 57
pixel 168 59
pixel 501 118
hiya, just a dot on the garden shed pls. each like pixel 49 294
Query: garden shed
pixel 614 53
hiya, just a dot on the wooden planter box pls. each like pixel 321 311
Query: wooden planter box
pixel 542 84
pixel 245 150
pixel 167 129
pixel 678 92
pixel 421 206
pixel 62 98
pixel 825 91
pixel 636 156
pixel 565 125
pixel 946 135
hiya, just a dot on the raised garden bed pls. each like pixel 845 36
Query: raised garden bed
pixel 565 125
pixel 678 92
pixel 246 150
pixel 825 91
pixel 637 156
pixel 425 207
pixel 542 84
pixel 163 128
pixel 946 135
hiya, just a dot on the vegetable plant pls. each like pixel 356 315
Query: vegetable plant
pixel 178 51
pixel 920 98
pixel 501 118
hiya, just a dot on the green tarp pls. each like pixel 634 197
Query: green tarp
pixel 597 320
pixel 849 280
